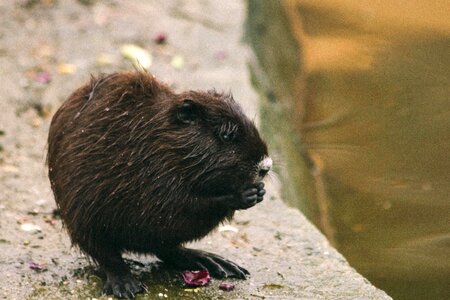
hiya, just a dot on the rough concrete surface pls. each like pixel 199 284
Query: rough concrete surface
pixel 287 257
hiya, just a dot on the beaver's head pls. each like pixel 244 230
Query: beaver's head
pixel 220 148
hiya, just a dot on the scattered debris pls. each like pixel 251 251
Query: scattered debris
pixel 160 38
pixel 273 286
pixel 29 227
pixel 43 111
pixel 44 52
pixel 41 202
pixel 104 59
pixel 50 221
pixel 38 266
pixel 278 235
pixel 225 286
pixel 43 77
pixel 196 290
pixel 66 69
pixel 9 169
pixel 225 228
pixel 196 278
pixel 221 55
pixel 258 296
pixel 243 223
pixel 36 122
pixel 244 237
pixel 177 62
pixel 138 56
pixel 33 212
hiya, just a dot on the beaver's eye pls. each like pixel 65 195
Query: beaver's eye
pixel 227 137
pixel 228 132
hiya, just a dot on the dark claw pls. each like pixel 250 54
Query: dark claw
pixel 217 270
pixel 216 265
pixel 123 287
pixel 223 267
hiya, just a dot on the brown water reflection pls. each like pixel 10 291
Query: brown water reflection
pixel 373 95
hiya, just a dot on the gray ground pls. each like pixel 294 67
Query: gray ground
pixel 287 257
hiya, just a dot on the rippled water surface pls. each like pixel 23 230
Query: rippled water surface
pixel 372 109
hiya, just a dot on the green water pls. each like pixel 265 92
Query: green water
pixel 365 87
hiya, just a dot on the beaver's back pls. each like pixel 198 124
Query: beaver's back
pixel 94 141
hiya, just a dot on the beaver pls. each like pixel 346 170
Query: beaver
pixel 136 167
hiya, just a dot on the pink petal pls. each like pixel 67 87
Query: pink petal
pixel 160 38
pixel 196 278
pixel 225 286
pixel 221 55
pixel 37 266
pixel 44 77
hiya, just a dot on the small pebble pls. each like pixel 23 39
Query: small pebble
pixel 41 202
pixel 33 212
pixel 228 228
pixel 36 122
pixel 28 227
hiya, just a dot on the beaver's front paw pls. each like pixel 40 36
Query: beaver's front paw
pixel 249 196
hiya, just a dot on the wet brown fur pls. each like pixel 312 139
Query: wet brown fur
pixel 128 175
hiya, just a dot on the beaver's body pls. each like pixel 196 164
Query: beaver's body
pixel 136 167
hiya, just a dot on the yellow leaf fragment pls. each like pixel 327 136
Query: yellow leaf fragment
pixel 138 56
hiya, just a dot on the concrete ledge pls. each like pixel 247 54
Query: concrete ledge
pixel 287 257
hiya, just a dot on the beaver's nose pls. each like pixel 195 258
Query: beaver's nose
pixel 263 172
pixel 264 166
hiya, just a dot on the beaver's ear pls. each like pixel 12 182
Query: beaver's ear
pixel 188 112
